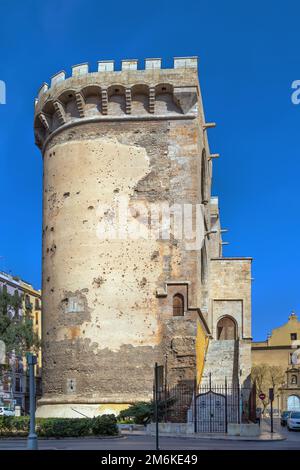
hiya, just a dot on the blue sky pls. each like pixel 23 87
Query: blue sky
pixel 249 56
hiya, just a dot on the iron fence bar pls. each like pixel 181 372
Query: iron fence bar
pixel 156 406
pixel 226 417
pixel 195 405
pixel 210 405
pixel 165 389
pixel 238 405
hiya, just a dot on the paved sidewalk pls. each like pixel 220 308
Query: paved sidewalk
pixel 264 436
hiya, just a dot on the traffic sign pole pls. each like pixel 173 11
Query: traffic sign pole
pixel 271 398
pixel 32 443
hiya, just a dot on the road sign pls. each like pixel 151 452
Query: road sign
pixel 262 396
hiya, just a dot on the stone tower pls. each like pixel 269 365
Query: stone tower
pixel 113 305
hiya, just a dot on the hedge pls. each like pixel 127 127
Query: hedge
pixel 105 425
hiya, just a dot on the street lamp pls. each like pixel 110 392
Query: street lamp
pixel 32 443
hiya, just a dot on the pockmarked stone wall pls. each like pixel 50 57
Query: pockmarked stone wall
pixel 112 140
pixel 127 169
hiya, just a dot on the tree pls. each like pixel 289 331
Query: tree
pixel 265 377
pixel 16 330
pixel 17 333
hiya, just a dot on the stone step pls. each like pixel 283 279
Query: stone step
pixel 220 362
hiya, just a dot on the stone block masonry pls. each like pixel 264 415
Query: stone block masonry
pixel 108 308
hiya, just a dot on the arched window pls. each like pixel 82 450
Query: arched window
pixel 164 102
pixel 293 403
pixel 294 379
pixel 178 305
pixel 139 99
pixel 116 100
pixel 226 329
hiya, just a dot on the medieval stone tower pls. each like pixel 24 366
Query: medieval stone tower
pixel 112 306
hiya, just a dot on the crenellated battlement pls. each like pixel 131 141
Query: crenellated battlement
pixel 81 70
pixel 129 93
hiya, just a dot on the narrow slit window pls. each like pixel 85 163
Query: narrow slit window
pixel 178 305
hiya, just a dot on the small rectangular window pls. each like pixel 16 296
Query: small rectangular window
pixel 73 305
pixel 18 385
pixel 293 336
pixel 28 304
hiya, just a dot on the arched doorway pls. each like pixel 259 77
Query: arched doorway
pixel 293 403
pixel 178 305
pixel 226 328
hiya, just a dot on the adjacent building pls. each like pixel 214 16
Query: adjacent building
pixel 14 383
pixel 282 348
pixel 281 344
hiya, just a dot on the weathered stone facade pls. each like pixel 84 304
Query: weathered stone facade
pixel 139 135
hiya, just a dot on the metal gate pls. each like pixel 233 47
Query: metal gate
pixel 209 407
pixel 210 412
pixel 214 406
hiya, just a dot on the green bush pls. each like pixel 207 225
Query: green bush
pixel 143 412
pixel 20 423
pixel 63 427
pixel 11 425
pixel 140 413
pixel 105 425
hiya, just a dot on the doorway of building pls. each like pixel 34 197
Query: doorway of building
pixel 226 328
pixel 293 403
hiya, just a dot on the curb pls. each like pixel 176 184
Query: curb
pixel 277 437
pixel 42 438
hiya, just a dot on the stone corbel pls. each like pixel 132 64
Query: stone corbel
pixel 208 125
pixel 44 119
pixel 60 112
pixel 152 100
pixel 104 101
pixel 213 155
pixel 128 100
pixel 185 98
pixel 80 101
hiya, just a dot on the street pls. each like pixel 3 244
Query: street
pixel 143 442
